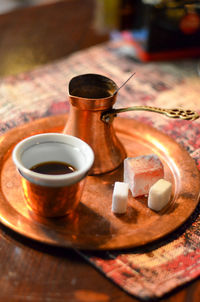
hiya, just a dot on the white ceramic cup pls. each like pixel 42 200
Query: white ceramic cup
pixel 53 195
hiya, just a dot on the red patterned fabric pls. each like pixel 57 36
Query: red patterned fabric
pixel 156 269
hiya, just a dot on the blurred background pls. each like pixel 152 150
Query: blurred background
pixel 35 32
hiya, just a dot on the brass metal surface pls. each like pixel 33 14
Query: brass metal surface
pixel 94 226
pixel 184 114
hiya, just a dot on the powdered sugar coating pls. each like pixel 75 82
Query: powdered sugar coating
pixel 142 172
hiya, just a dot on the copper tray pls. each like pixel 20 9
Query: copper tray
pixel 94 226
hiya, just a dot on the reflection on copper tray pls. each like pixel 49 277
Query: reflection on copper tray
pixel 94 226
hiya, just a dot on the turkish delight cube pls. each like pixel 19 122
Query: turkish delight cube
pixel 159 195
pixel 142 172
pixel 120 197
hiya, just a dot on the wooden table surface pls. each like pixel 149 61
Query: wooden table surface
pixel 34 272
pixel 31 271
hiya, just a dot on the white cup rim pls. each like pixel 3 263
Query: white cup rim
pixel 47 179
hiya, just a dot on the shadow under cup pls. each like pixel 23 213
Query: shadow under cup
pixel 53 195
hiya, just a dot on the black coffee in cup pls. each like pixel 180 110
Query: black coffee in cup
pixel 53 168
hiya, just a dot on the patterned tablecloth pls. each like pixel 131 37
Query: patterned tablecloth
pixel 152 271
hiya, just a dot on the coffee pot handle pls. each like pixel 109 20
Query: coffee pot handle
pixel 184 114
